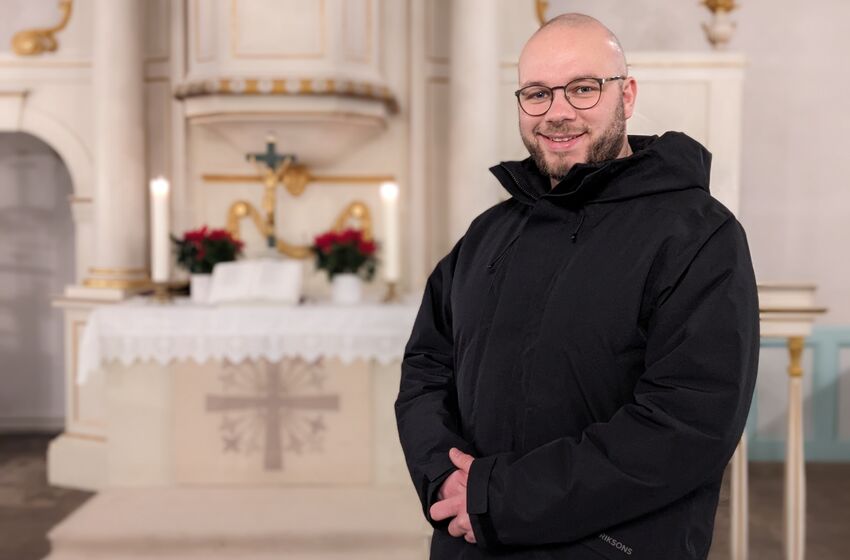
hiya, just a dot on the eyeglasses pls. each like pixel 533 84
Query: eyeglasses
pixel 582 93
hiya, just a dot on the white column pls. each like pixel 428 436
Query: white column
pixel 739 506
pixel 473 94
pixel 120 184
pixel 795 461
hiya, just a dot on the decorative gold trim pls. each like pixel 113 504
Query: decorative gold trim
pixel 795 350
pixel 33 42
pixel 119 283
pixel 793 310
pixel 287 86
pixel 234 39
pixel 356 210
pixel 720 5
pixel 117 271
pixel 310 178
pixel 540 7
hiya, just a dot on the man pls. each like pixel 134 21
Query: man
pixel 583 361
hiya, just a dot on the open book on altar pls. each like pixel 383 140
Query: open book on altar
pixel 257 280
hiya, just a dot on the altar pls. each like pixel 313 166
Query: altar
pixel 225 406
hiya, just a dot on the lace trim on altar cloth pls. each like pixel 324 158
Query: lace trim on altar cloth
pixel 133 332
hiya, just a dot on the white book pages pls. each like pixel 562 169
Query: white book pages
pixel 257 280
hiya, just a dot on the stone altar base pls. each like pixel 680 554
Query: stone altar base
pixel 246 523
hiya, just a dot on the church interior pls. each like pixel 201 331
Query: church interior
pixel 186 373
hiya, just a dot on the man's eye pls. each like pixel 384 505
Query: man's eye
pixel 536 95
pixel 585 89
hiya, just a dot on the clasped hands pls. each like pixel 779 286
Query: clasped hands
pixel 452 497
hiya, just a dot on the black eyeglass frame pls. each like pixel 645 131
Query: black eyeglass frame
pixel 600 81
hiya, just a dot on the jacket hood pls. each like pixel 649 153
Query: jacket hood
pixel 671 162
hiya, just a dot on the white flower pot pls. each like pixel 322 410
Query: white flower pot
pixel 346 288
pixel 199 287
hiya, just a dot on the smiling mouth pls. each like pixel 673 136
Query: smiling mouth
pixel 562 138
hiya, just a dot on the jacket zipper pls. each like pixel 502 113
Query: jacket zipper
pixel 518 184
pixel 501 255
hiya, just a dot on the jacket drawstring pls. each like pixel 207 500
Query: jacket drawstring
pixel 580 221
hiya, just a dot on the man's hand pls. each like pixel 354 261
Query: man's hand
pixel 452 496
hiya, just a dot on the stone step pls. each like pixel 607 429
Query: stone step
pixel 256 523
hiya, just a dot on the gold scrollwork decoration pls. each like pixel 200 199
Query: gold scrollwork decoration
pixel 356 211
pixel 540 7
pixel 33 42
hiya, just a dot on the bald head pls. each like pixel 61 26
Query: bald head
pixel 577 93
pixel 566 30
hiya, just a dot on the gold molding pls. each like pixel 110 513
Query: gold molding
pixel 540 7
pixel 117 271
pixel 720 5
pixel 288 86
pixel 234 39
pixel 119 283
pixel 310 178
pixel 787 310
pixel 33 42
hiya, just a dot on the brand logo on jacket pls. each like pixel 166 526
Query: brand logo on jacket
pixel 616 544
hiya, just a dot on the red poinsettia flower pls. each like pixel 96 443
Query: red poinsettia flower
pixel 345 251
pixel 366 247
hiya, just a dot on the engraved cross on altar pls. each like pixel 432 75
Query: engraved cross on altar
pixel 271 406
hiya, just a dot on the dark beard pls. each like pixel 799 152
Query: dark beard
pixel 606 147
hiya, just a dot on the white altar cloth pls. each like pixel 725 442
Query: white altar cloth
pixel 140 330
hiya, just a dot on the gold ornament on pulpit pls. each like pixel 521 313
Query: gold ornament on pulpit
pixel 721 28
pixel 540 7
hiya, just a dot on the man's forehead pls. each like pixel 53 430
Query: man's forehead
pixel 566 55
pixel 561 68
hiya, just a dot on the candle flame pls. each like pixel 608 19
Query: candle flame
pixel 160 186
pixel 389 191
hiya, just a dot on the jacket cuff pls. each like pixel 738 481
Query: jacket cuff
pixel 436 474
pixel 477 506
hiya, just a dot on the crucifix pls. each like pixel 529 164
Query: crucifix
pixel 273 166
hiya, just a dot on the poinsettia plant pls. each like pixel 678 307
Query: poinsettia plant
pixel 346 251
pixel 201 249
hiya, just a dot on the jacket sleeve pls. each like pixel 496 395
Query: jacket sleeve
pixel 679 431
pixel 426 408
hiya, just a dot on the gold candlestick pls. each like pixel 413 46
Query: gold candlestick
pixel 161 293
pixel 391 296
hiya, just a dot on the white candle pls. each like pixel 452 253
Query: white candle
pixel 160 242
pixel 391 255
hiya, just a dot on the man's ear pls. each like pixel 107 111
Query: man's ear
pixel 629 96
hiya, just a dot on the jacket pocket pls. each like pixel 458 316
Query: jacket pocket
pixel 680 531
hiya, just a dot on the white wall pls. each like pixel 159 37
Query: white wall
pixel 795 204
pixel 36 262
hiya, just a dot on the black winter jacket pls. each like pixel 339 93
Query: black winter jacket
pixel 595 347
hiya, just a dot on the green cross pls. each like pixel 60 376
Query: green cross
pixel 270 157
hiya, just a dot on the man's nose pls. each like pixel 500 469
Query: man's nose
pixel 561 108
